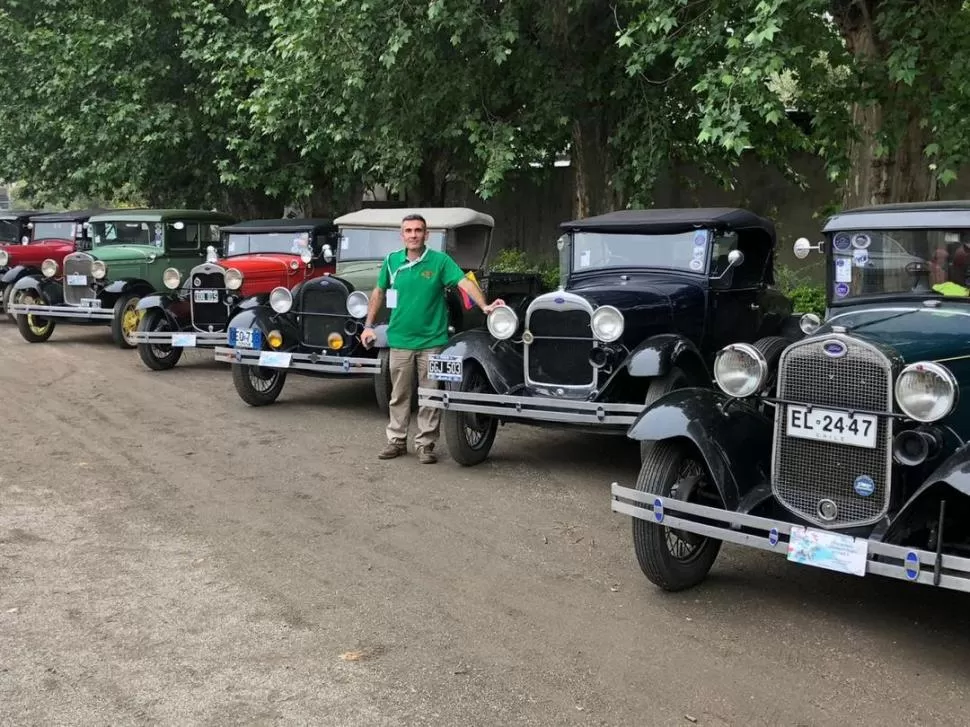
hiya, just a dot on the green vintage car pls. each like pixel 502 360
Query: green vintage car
pixel 133 251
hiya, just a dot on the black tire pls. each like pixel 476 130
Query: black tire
pixel 257 385
pixel 7 294
pixel 126 319
pixel 382 382
pixel 660 386
pixel 154 356
pixel 470 436
pixel 668 467
pixel 32 328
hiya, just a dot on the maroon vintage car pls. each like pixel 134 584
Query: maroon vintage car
pixel 47 236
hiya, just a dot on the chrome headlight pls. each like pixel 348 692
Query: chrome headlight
pixel 99 270
pixel 740 370
pixel 49 268
pixel 281 300
pixel 234 279
pixel 171 278
pixel 607 323
pixel 502 322
pixel 4 258
pixel 926 391
pixel 357 304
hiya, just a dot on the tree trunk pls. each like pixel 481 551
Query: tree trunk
pixel 594 193
pixel 886 162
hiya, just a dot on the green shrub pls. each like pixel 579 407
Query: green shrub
pixel 806 296
pixel 518 261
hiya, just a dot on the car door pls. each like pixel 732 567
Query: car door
pixel 735 308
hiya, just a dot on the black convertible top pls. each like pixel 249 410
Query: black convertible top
pixel 281 225
pixel 674 220
pixel 67 216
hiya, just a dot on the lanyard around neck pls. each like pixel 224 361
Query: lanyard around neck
pixel 407 264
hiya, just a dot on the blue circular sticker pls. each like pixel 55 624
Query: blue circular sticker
pixel 861 241
pixel 700 239
pixel 658 510
pixel 841 242
pixel 841 290
pixel 912 565
pixel 773 537
pixel 864 486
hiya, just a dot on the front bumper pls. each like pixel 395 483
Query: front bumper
pixel 63 311
pixel 313 362
pixel 534 408
pixel 189 339
pixel 879 558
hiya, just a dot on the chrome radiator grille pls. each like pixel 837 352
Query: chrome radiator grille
pixel 206 314
pixel 804 471
pixel 78 263
pixel 559 352
pixel 323 311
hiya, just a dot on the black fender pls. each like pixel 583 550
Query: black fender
pixel 50 290
pixel 16 273
pixel 733 437
pixel 164 302
pixel 128 285
pixel 266 319
pixel 501 363
pixel 658 354
pixel 953 474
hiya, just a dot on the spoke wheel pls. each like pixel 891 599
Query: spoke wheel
pixel 157 357
pixel 470 436
pixel 671 558
pixel 257 385
pixel 33 328
pixel 126 319
pixel 660 386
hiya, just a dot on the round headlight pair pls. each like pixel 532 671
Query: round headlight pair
pixel 4 258
pixel 740 370
pixel 607 323
pixel 171 278
pixel 926 391
pixel 357 304
pixel 281 300
pixel 502 322
pixel 234 279
pixel 99 270
pixel 49 268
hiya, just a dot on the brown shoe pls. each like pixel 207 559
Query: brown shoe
pixel 392 450
pixel 426 455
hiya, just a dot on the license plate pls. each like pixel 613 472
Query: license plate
pixel 206 296
pixel 90 303
pixel 275 359
pixel 77 279
pixel 444 368
pixel 183 340
pixel 245 338
pixel 828 425
pixel 832 551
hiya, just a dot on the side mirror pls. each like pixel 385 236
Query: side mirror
pixel 25 240
pixel 803 247
pixel 734 258
pixel 327 253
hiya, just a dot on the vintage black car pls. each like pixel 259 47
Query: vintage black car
pixel 258 256
pixel 14 226
pixel 314 329
pixel 648 298
pixel 849 451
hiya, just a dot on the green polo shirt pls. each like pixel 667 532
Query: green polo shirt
pixel 420 319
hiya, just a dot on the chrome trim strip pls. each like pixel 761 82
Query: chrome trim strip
pixel 678 514
pixel 305 362
pixel 164 338
pixel 62 311
pixel 531 407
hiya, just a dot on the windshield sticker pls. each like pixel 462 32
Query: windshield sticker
pixel 700 239
pixel 584 259
pixel 841 242
pixel 699 252
pixel 97 239
pixel 860 258
pixel 344 242
pixel 843 270
pixel 861 241
pixel 158 233
pixel 841 290
pixel 696 264
pixel 231 248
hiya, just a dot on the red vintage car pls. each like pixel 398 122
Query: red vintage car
pixel 46 236
pixel 257 257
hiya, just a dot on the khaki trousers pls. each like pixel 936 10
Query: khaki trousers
pixel 403 364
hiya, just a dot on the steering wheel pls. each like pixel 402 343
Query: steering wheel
pixel 920 271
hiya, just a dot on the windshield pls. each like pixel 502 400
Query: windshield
pixel 377 244
pixel 881 262
pixel 127 233
pixel 9 231
pixel 680 251
pixel 280 242
pixel 53 231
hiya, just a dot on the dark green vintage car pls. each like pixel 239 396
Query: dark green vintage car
pixel 133 252
pixel 846 450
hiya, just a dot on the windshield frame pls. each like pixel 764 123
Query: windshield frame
pixel 843 245
pixel 437 240
pixel 293 236
pixel 697 263
pixel 152 233
pixel 14 225
pixel 68 237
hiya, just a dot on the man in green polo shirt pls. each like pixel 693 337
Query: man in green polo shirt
pixel 413 281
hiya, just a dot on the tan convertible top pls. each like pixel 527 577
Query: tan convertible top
pixel 437 217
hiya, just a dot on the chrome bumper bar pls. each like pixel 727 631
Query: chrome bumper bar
pixel 534 408
pixel 62 311
pixel 316 363
pixel 188 339
pixel 894 561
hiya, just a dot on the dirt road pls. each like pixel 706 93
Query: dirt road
pixel 169 555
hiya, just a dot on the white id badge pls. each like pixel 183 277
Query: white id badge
pixel 391 298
